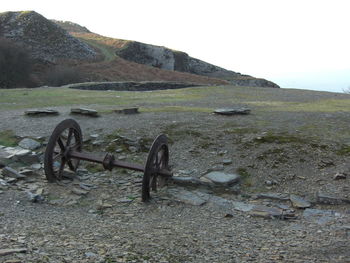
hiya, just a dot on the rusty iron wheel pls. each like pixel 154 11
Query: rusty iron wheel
pixel 158 159
pixel 66 136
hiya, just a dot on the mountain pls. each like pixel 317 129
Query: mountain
pixel 45 40
pixel 97 58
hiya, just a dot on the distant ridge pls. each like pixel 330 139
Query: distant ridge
pixel 93 57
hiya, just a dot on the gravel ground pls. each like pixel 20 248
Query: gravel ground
pixel 110 224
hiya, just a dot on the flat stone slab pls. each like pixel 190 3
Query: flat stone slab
pixel 8 251
pixel 127 111
pixel 232 111
pixel 8 171
pixel 195 198
pixel 299 202
pixel 84 111
pixel 221 178
pixel 321 216
pixel 41 112
pixel 326 198
pixel 274 196
pixel 29 144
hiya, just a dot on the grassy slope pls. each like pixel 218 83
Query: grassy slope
pixel 267 99
pixel 113 68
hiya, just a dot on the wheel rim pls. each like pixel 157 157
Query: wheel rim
pixel 65 138
pixel 158 158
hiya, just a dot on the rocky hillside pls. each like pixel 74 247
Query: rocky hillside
pixel 44 39
pixel 56 45
pixel 165 58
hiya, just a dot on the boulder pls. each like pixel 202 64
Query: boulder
pixel 29 144
pixel 221 178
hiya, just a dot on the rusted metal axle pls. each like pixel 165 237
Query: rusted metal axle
pixel 64 149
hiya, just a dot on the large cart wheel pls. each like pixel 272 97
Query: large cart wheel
pixel 66 137
pixel 158 159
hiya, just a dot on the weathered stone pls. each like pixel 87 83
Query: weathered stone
pixel 188 181
pixel 128 111
pixel 275 196
pixel 325 198
pixel 195 198
pixel 339 176
pixel 29 144
pixel 8 171
pixel 78 191
pixel 84 111
pixel 320 216
pixel 8 251
pixel 232 111
pixel 35 198
pixel 299 202
pixel 41 112
pixel 222 178
pixel 226 161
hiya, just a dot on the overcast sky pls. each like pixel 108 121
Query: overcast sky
pixel 296 43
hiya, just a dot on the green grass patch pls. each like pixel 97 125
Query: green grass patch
pixel 8 138
pixel 344 150
pixel 280 138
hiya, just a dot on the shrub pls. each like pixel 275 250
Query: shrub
pixel 63 75
pixel 15 65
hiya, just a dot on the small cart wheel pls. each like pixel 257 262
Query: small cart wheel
pixel 158 159
pixel 66 136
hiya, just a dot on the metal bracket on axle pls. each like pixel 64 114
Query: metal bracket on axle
pixel 64 149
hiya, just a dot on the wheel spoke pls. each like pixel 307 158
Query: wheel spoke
pixel 63 163
pixel 60 143
pixel 69 138
pixel 154 183
pixel 56 157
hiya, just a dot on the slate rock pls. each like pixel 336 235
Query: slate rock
pixel 8 251
pixel 222 178
pixel 339 176
pixel 320 216
pixel 187 181
pixel 195 198
pixel 232 111
pixel 84 111
pixel 41 112
pixel 128 111
pixel 299 202
pixel 325 198
pixel 274 196
pixel 9 172
pixel 29 144
pixel 78 191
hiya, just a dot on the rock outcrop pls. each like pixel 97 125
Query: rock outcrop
pixel 46 41
pixel 165 58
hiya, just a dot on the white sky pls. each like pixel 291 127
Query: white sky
pixel 273 39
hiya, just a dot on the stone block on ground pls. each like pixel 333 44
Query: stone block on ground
pixel 41 112
pixel 299 202
pixel 195 198
pixel 233 111
pixel 9 172
pixel 331 199
pixel 29 144
pixel 221 178
pixel 127 111
pixel 84 111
